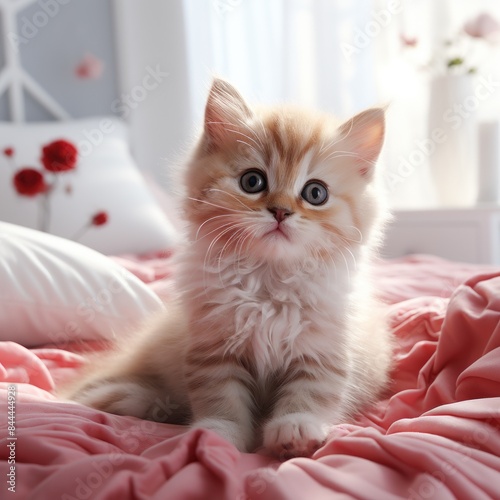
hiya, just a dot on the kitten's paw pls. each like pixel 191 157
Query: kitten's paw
pixel 294 435
pixel 227 429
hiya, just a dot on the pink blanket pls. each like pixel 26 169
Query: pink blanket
pixel 436 435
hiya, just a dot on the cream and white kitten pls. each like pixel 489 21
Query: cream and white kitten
pixel 275 335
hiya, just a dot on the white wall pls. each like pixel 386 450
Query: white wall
pixel 153 73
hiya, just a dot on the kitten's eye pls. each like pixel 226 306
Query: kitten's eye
pixel 253 181
pixel 315 193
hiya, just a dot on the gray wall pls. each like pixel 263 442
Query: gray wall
pixel 51 51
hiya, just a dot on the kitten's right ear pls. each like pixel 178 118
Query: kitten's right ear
pixel 225 114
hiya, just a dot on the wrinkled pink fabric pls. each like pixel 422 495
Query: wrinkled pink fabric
pixel 436 435
pixel 154 269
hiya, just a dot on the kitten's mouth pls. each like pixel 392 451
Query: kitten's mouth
pixel 278 232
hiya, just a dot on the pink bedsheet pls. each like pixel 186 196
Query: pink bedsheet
pixel 436 435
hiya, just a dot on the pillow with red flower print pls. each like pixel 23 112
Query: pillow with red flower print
pixel 57 291
pixel 78 180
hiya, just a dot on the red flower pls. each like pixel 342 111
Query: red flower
pixel 8 152
pixel 29 182
pixel 99 219
pixel 59 156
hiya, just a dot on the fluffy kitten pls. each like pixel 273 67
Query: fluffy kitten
pixel 275 335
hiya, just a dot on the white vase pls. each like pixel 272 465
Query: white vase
pixel 489 162
pixel 453 135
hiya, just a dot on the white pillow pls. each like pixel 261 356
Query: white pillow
pixel 53 290
pixel 105 179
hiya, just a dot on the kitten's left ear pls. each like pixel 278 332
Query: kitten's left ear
pixel 225 114
pixel 363 135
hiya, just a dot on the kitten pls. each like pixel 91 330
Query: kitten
pixel 275 335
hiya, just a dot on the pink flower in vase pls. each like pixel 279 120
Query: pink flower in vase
pixel 459 53
pixel 483 26
pixel 408 41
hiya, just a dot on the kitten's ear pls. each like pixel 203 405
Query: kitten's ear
pixel 363 135
pixel 225 114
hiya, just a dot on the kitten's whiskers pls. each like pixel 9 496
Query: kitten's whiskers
pixel 355 264
pixel 217 206
pixel 215 190
pixel 341 154
pixel 213 243
pixel 239 132
pixel 257 139
pixel 251 233
pixel 239 228
pixel 360 240
pixel 213 230
pixel 339 248
pixel 237 233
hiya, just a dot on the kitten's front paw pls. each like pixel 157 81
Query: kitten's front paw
pixel 294 435
pixel 227 429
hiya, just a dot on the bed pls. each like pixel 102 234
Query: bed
pixel 436 433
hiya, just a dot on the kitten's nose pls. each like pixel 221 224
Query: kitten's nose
pixel 280 214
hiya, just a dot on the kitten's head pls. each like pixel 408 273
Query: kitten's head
pixel 280 183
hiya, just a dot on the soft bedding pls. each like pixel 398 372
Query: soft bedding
pixel 435 435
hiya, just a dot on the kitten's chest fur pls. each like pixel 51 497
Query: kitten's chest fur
pixel 268 315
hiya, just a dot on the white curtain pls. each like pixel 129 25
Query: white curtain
pixel 281 50
pixel 337 55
